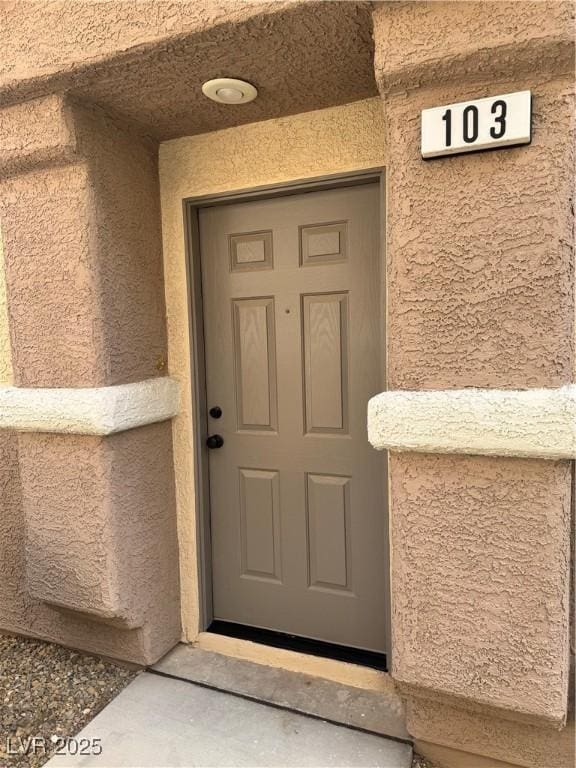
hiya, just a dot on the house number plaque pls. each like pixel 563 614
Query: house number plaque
pixel 470 126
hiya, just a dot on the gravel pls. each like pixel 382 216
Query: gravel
pixel 49 692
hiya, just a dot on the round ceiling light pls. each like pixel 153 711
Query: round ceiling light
pixel 227 90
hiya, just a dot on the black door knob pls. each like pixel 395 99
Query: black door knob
pixel 215 412
pixel 215 441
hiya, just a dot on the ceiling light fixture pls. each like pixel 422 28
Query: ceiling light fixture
pixel 227 90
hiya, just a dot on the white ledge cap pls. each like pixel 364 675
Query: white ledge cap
pixel 90 410
pixel 535 423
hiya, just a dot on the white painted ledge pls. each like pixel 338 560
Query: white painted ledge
pixel 537 423
pixel 89 411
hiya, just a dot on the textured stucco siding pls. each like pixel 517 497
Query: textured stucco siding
pixel 81 33
pixel 5 349
pixel 90 553
pixel 51 293
pixel 126 231
pixel 54 502
pixel 36 134
pixel 327 141
pixel 480 565
pixel 475 733
pixel 87 302
pixel 472 41
pixel 148 60
pixel 481 277
pixel 537 423
pixel 90 546
pixel 480 295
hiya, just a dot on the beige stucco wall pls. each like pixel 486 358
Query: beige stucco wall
pixel 80 199
pixel 80 212
pixel 147 59
pixel 480 294
pixel 5 355
pixel 86 32
pixel 327 141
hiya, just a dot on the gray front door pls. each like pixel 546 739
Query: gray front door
pixel 292 320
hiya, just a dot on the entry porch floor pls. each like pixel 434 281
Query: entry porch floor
pixel 164 722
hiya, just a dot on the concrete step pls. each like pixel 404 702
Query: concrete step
pixel 377 711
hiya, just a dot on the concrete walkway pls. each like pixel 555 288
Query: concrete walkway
pixel 166 723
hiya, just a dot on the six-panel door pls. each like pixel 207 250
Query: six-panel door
pixel 291 294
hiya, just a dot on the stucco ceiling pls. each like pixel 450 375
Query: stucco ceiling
pixel 301 56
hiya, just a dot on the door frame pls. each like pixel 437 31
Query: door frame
pixel 191 207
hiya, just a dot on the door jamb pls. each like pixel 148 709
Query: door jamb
pixel 191 207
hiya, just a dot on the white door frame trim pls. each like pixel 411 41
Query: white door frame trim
pixel 533 423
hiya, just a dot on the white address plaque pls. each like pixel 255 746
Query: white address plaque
pixel 499 121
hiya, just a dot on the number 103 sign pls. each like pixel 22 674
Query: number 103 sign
pixel 499 121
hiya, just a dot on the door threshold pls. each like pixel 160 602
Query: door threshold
pixel 368 701
pixel 358 656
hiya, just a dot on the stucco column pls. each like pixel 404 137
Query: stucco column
pixel 480 294
pixel 80 218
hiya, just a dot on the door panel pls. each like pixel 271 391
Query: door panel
pixel 328 517
pixel 255 363
pixel 291 292
pixel 324 325
pixel 260 523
